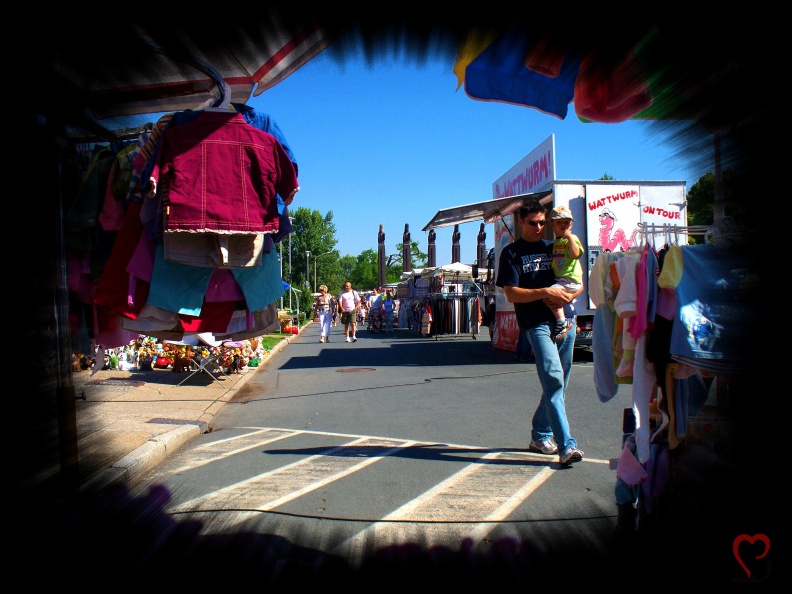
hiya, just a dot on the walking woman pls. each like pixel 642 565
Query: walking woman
pixel 323 308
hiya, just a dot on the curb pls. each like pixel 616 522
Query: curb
pixel 144 458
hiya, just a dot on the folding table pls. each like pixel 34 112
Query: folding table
pixel 207 363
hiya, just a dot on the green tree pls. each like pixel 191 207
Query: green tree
pixel 347 264
pixel 607 177
pixel 417 257
pixel 701 200
pixel 315 234
pixel 363 275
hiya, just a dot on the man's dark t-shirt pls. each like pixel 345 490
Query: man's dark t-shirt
pixel 527 265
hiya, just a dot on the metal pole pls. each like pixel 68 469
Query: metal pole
pixel 308 269
pixel 65 393
pixel 280 261
pixel 290 272
pixel 718 209
pixel 315 259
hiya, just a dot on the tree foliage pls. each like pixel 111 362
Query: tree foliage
pixel 701 200
pixel 315 234
pixel 417 257
pixel 363 275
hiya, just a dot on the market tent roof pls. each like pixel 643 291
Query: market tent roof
pixel 486 210
pixel 459 270
pixel 457 267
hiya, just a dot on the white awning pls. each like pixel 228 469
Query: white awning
pixel 488 210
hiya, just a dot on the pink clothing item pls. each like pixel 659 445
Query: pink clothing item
pixel 221 174
pixel 223 287
pixel 638 323
pixel 629 469
pixel 215 317
pixel 626 301
pixel 112 288
pixel 140 266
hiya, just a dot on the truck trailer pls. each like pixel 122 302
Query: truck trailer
pixel 609 215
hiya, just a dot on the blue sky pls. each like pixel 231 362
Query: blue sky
pixel 393 142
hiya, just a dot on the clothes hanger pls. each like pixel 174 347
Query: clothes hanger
pixel 223 103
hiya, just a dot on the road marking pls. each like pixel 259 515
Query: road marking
pixel 222 448
pixel 294 480
pixel 492 489
pixel 469 504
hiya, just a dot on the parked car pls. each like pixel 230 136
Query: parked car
pixel 585 329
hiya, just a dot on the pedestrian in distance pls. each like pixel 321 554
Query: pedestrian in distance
pixel 567 250
pixel 348 302
pixel 373 299
pixel 387 310
pixel 525 274
pixel 323 306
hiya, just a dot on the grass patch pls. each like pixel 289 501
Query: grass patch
pixel 270 340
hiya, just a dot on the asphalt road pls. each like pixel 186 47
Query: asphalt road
pixel 396 436
pixel 402 461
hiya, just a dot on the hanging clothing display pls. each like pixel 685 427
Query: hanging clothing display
pixel 714 287
pixel 665 320
pixel 221 174
pixel 196 255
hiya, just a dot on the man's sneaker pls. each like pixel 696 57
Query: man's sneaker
pixel 349 339
pixel 560 332
pixel 543 447
pixel 354 339
pixel 570 456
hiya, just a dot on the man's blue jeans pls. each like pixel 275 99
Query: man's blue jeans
pixel 554 366
pixel 523 351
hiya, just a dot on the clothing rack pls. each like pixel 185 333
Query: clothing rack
pixel 454 314
pixel 725 230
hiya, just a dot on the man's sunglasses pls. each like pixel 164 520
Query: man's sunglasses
pixel 536 223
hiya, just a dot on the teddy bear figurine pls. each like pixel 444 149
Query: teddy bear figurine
pixel 183 360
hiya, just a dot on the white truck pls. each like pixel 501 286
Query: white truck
pixel 609 215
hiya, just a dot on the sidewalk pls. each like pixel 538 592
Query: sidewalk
pixel 129 421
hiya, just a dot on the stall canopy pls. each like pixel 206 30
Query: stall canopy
pixel 102 77
pixel 87 67
pixel 487 210
pixel 457 270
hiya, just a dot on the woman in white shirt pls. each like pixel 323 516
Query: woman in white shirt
pixel 323 306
